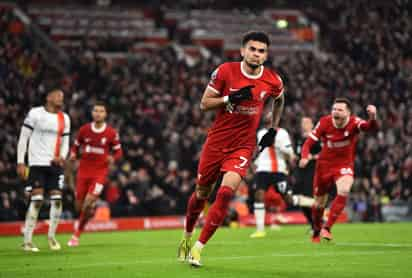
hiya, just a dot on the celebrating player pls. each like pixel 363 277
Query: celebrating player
pixel 335 165
pixel 46 129
pixel 96 141
pixel 237 92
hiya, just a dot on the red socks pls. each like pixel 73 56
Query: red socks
pixel 194 208
pixel 217 213
pixel 83 219
pixel 335 210
pixel 317 214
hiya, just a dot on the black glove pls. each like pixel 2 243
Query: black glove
pixel 244 93
pixel 268 139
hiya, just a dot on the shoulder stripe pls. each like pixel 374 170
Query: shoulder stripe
pixel 311 135
pixel 28 126
pixel 213 89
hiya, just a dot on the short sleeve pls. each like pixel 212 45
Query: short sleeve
pixel 116 141
pixel 317 132
pixel 277 87
pixel 66 125
pixel 218 79
pixel 283 140
pixel 30 120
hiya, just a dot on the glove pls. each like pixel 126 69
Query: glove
pixel 244 93
pixel 268 139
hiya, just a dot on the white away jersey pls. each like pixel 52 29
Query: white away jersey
pixel 273 158
pixel 48 136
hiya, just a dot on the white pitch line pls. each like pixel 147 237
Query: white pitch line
pixel 226 258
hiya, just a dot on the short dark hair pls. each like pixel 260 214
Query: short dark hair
pixel 100 103
pixel 256 36
pixel 344 100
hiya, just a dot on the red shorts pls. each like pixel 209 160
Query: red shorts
pixel 327 174
pixel 92 185
pixel 213 162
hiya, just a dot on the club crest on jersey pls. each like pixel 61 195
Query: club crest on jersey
pixel 262 94
pixel 346 133
pixel 104 140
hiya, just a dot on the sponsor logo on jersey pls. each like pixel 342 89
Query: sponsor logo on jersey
pixel 339 144
pixel 246 110
pixel 95 150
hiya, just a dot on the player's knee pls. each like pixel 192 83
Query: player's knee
pixel 37 200
pixel 57 202
pixel 203 192
pixel 320 202
pixel 259 196
pixel 343 192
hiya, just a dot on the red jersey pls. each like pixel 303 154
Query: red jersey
pixel 95 146
pixel 238 129
pixel 338 144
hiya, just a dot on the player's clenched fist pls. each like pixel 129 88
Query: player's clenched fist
pixel 244 93
pixel 268 139
pixel 371 110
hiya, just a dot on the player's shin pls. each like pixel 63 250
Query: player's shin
pixel 56 209
pixel 195 206
pixel 31 217
pixel 317 215
pixel 336 209
pixel 217 213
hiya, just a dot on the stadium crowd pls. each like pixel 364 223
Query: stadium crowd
pixel 153 100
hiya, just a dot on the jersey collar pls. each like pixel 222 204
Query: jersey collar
pixel 257 76
pixel 98 130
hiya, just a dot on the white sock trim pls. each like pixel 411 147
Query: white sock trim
pixel 30 221
pixel 259 211
pixel 199 245
pixel 54 218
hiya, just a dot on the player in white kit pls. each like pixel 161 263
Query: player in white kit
pixel 272 169
pixel 45 137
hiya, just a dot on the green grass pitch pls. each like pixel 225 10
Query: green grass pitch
pixel 358 250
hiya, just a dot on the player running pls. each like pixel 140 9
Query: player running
pixel 237 92
pixel 96 141
pixel 338 133
pixel 46 129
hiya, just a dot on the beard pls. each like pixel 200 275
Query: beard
pixel 252 66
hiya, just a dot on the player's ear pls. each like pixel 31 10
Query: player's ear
pixel 242 51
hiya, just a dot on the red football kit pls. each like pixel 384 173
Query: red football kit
pixel 337 156
pixel 232 138
pixel 95 146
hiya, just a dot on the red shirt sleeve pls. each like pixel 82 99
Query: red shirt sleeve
pixel 116 146
pixel 307 146
pixel 277 88
pixel 369 125
pixel 218 79
pixel 318 131
pixel 77 143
